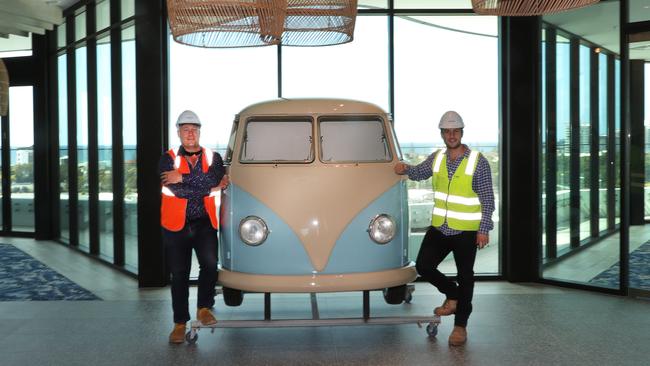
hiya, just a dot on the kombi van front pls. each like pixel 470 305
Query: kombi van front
pixel 313 204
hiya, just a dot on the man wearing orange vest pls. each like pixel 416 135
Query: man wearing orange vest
pixel 191 178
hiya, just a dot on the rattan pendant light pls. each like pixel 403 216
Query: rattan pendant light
pixel 526 7
pixel 226 23
pixel 319 22
pixel 4 89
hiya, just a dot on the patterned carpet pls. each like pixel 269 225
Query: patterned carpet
pixel 639 270
pixel 23 278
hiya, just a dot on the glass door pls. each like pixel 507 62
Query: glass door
pixel 18 162
pixel 639 248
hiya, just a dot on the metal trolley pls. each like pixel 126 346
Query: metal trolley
pixel 431 322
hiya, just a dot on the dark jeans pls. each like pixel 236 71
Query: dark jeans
pixel 200 235
pixel 434 249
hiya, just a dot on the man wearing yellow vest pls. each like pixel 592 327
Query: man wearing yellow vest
pixel 461 219
pixel 191 178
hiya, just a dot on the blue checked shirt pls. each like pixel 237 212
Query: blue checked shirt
pixel 481 184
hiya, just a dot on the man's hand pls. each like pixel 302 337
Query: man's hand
pixel 400 168
pixel 171 177
pixel 223 184
pixel 482 240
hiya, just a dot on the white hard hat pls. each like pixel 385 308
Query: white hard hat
pixel 451 119
pixel 188 118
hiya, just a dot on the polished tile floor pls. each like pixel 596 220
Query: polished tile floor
pixel 512 324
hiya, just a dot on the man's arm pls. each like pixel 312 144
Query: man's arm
pixel 421 171
pixel 482 185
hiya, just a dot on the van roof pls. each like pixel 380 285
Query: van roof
pixel 309 106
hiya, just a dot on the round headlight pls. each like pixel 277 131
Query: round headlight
pixel 382 229
pixel 253 230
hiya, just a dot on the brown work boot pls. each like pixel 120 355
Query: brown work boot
pixel 447 308
pixel 178 333
pixel 458 336
pixel 205 316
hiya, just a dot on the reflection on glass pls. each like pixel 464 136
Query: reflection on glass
pixel 372 4
pixel 585 142
pixel 563 141
pixel 80 26
pixel 105 146
pixel 427 85
pixel 130 157
pixel 639 10
pixel 64 207
pixel 83 219
pixel 617 135
pixel 596 262
pixel 128 8
pixel 102 14
pixel 428 4
pixel 603 136
pixel 356 70
pixel 543 152
pixel 60 35
pixel 21 140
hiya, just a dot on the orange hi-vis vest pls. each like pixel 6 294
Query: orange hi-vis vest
pixel 172 209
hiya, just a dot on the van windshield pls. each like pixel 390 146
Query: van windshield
pixel 277 141
pixel 353 140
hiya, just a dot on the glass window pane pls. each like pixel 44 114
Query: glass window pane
pixel 543 151
pixel 437 4
pixel 80 26
pixel 103 14
pixel 563 143
pixel 277 141
pixel 21 139
pixel 128 8
pixel 16 46
pixel 105 147
pixel 372 4
pixel 617 135
pixel 603 137
pixel 428 84
pixel 353 141
pixel 64 208
pixel 129 125
pixel 639 10
pixel 217 84
pixel 585 142
pixel 83 218
pixel 356 70
pixel 60 35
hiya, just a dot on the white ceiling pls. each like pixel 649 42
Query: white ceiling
pixel 22 17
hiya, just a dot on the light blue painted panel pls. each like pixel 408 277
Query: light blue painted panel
pixel 356 252
pixel 281 253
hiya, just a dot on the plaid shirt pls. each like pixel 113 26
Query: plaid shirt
pixel 481 184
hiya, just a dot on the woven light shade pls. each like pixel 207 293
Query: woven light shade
pixel 226 23
pixel 4 89
pixel 526 7
pixel 319 22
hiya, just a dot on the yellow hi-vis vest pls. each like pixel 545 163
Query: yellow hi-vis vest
pixel 454 200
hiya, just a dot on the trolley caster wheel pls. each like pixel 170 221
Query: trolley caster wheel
pixel 408 297
pixel 190 339
pixel 432 329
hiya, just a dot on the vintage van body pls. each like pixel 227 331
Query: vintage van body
pixel 313 203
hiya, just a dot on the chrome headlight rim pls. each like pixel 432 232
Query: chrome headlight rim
pixel 262 224
pixel 372 225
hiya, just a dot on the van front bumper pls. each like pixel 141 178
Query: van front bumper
pixel 318 282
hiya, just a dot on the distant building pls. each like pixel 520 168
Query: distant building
pixel 24 156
